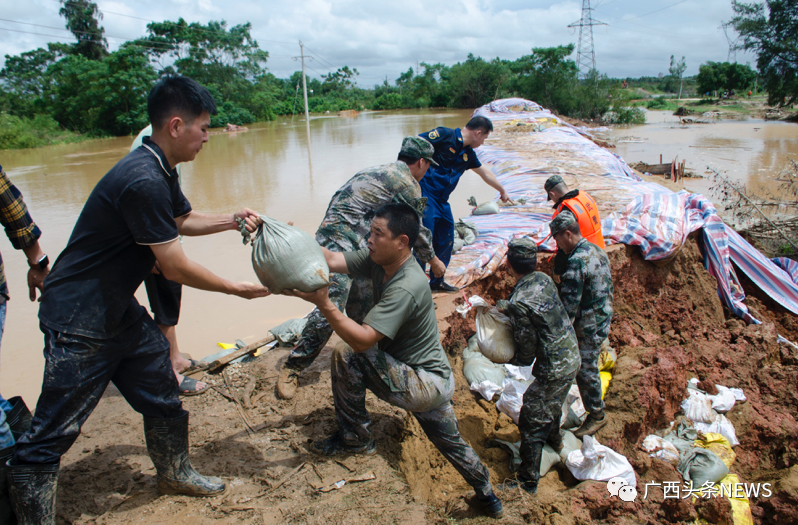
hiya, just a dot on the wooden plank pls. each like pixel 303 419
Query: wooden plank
pixel 222 361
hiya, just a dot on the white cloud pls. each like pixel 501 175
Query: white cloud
pixel 387 38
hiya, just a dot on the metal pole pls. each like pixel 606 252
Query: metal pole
pixel 304 82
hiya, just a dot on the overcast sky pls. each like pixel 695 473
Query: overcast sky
pixel 382 38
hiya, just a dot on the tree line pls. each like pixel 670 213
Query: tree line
pixel 85 88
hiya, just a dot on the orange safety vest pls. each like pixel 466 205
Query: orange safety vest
pixel 586 212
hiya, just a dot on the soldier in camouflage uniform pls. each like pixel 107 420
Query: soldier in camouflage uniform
pixel 543 334
pixel 395 352
pixel 586 294
pixel 345 228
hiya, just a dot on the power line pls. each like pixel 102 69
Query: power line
pixel 94 33
pixel 320 57
pixel 658 10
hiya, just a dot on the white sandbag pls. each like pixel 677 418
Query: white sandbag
pixel 478 369
pixel 487 389
pixel 512 398
pixel 698 407
pixel 597 462
pixel 569 444
pixel 548 459
pixel 720 425
pixel 724 400
pixel 486 208
pixel 738 394
pixel 519 373
pixel 667 452
pixel 573 405
pixel 494 334
pixel 287 258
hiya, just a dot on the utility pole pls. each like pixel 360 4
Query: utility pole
pixel 585 54
pixel 304 82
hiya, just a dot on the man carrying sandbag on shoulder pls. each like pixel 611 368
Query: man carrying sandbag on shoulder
pixel 586 293
pixel 94 329
pixel 396 352
pixel 543 333
pixel 345 228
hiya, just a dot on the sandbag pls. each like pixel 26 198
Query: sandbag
pixel 569 444
pixel 512 398
pixel 289 332
pixel 548 459
pixel 724 400
pixel 661 449
pixel 605 377
pixel 597 462
pixel 720 425
pixel 719 445
pixel 477 368
pixel 467 231
pixel 700 465
pixel 607 357
pixel 698 407
pixel 494 333
pixel 287 258
pixel 486 208
pixel 573 410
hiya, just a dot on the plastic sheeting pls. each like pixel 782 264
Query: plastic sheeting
pixel 633 212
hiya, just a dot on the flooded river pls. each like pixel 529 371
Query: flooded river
pixel 271 169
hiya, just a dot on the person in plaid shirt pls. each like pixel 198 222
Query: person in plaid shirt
pixel 24 235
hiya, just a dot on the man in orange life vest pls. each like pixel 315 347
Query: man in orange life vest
pixel 584 209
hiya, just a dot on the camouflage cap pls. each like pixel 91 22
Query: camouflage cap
pixel 522 248
pixel 561 221
pixel 419 148
pixel 551 182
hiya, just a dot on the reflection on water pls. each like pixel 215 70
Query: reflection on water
pixel 286 170
pixel 750 150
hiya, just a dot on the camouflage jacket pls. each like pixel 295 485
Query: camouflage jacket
pixel 586 291
pixel 348 217
pixel 541 328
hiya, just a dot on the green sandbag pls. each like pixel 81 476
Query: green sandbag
pixel 478 368
pixel 548 458
pixel 287 258
pixel 701 465
pixel 486 208
pixel 289 332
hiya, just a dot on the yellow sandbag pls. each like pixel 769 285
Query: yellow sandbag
pixel 607 357
pixel 719 445
pixel 606 377
pixel 740 508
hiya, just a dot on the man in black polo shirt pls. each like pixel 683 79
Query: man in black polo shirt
pixel 94 329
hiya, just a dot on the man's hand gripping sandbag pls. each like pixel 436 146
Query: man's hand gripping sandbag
pixel 286 258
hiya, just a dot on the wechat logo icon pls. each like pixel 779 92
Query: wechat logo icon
pixel 619 487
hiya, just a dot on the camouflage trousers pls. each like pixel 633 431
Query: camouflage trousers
pixel 355 296
pixel 539 420
pixel 588 378
pixel 427 395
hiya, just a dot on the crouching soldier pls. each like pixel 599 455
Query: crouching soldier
pixel 586 294
pixel 396 353
pixel 543 333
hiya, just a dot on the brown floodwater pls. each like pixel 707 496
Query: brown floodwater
pixel 268 168
pixel 747 149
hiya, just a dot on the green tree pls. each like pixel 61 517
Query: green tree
pixel 676 70
pixel 773 37
pixel 24 79
pixel 720 76
pixel 548 77
pixel 82 18
pixel 476 82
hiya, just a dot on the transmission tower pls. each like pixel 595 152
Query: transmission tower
pixel 732 56
pixel 585 54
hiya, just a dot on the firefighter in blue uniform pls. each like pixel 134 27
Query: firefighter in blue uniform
pixel 454 153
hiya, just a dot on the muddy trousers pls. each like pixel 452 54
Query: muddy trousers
pixel 77 371
pixel 355 296
pixel 588 378
pixel 427 395
pixel 539 421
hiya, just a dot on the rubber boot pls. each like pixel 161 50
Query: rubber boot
pixel 19 419
pixel 167 444
pixel 287 382
pixel 6 512
pixel 31 489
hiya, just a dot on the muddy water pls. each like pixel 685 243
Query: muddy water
pixel 748 149
pixel 268 168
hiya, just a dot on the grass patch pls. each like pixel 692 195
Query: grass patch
pixel 41 130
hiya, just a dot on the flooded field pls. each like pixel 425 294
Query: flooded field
pixel 748 149
pixel 272 169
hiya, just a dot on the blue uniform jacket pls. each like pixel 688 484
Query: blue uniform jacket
pixel 453 160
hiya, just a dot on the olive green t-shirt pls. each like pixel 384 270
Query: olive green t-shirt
pixel 404 313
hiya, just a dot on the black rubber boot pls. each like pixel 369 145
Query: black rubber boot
pixel 31 489
pixel 19 419
pixel 6 512
pixel 167 444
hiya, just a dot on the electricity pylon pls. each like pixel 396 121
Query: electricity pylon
pixel 585 54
